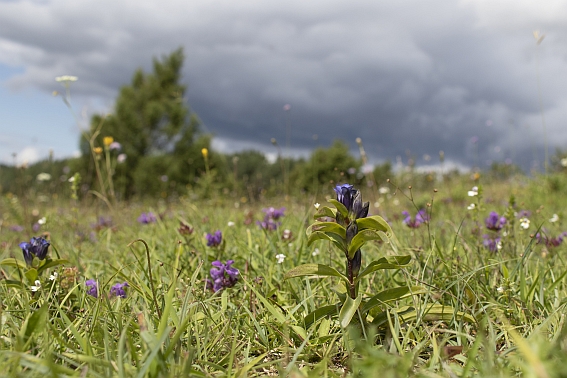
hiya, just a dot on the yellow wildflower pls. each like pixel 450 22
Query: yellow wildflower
pixel 107 140
pixel 205 152
pixel 98 150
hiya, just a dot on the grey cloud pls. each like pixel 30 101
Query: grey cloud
pixel 418 77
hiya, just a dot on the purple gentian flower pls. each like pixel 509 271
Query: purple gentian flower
pixel 352 200
pixel 36 247
pixel 146 218
pixel 214 240
pixel 92 288
pixel 118 289
pixel 550 241
pixel 420 217
pixel 495 222
pixel 222 275
pixel 268 224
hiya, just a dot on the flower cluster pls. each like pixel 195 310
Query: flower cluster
pixel 420 218
pixel 494 222
pixel 146 218
pixel 550 241
pixel 214 240
pixel 117 290
pixel 351 198
pixel 270 222
pixel 222 275
pixel 36 247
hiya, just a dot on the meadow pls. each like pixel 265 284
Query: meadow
pixel 146 288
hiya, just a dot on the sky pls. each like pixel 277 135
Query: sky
pixel 410 78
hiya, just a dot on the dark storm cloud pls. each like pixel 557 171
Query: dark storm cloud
pixel 409 79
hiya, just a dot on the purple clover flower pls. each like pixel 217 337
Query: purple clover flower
pixel 146 218
pixel 92 288
pixel 494 222
pixel 420 217
pixel 118 290
pixel 36 247
pixel 492 243
pixel 222 275
pixel 214 240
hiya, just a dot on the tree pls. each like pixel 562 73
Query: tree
pixel 155 127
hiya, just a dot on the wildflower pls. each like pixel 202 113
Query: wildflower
pixel 268 224
pixel 121 158
pixel 420 217
pixel 550 241
pixel 146 218
pixel 53 276
pixel 495 222
pixel 66 78
pixel 92 288
pixel 102 223
pixel 16 228
pixel 118 290
pixel 564 162
pixel 315 252
pixel 317 205
pixel 36 287
pixel 492 243
pixel 230 224
pixel 473 192
pixel 223 275
pixel 214 240
pixel 185 229
pixel 525 223
pixel 280 257
pixel 287 234
pixel 554 218
pixel 384 190
pixel 523 214
pixel 114 146
pixel 43 177
pixel 98 150
pixel 472 206
pixel 205 152
pixel 351 199
pixel 107 140
pixel 274 213
pixel 36 247
pixel 41 221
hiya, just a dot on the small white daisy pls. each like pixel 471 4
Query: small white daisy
pixel 554 218
pixel 42 220
pixel 53 277
pixel 280 257
pixel 384 190
pixel 231 224
pixel 473 192
pixel 315 252
pixel 525 223
pixel 472 206
pixel 317 205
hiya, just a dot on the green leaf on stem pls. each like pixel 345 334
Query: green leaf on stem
pixel 327 227
pixel 362 237
pixel 13 262
pixel 348 310
pixel 388 262
pixel 392 294
pixel 325 211
pixel 378 223
pixel 334 238
pixel 340 207
pixel 314 270
pixel 321 312
pixel 51 264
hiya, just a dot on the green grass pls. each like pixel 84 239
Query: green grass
pixel 174 326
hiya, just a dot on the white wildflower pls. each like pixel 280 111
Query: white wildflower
pixel 43 177
pixel 384 190
pixel 53 277
pixel 525 223
pixel 37 286
pixel 280 257
pixel 472 206
pixel 72 179
pixel 554 218
pixel 231 224
pixel 564 162
pixel 500 289
pixel 315 252
pixel 66 78
pixel 473 192
pixel 317 205
pixel 42 220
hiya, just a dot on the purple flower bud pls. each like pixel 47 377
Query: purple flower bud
pixel 118 290
pixel 222 275
pixel 92 288
pixel 214 240
pixel 495 222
